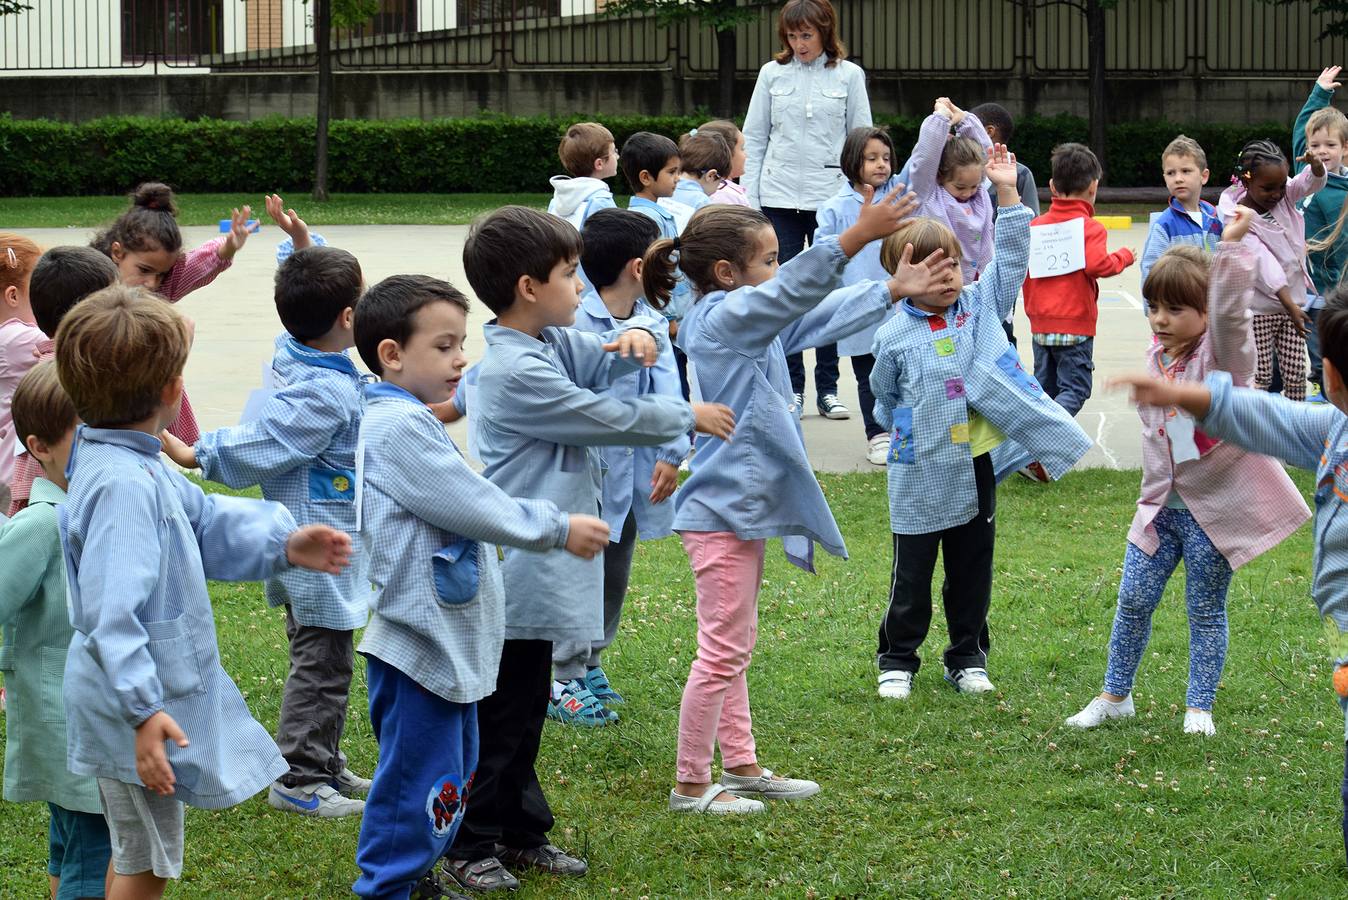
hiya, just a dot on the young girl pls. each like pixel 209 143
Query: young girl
pixel 950 389
pixel 867 159
pixel 147 247
pixel 19 339
pixel 1209 502
pixel 729 191
pixel 946 173
pixel 1278 237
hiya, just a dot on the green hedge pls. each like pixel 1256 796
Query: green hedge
pixel 483 154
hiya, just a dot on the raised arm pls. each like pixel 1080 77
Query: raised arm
pixel 1230 287
pixel 1322 94
pixel 195 269
pixel 971 127
pixel 926 159
pixel 547 405
pixel 1306 182
pixel 1000 283
pixel 1268 423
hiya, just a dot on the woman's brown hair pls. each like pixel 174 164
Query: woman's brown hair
pixel 714 233
pixel 818 14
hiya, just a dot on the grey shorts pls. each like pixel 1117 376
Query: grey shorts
pixel 146 829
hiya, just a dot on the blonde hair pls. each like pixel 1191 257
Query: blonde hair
pixel 582 144
pixel 1179 278
pixel 926 235
pixel 1183 145
pixel 18 255
pixel 116 351
pixel 41 407
pixel 1328 119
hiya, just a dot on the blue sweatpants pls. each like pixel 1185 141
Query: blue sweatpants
pixel 427 756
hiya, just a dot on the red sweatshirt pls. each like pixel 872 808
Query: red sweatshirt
pixel 1066 304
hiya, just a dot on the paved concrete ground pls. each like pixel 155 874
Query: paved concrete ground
pixel 236 322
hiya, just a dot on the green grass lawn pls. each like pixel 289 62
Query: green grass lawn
pixel 941 796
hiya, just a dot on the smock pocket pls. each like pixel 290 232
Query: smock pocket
pixel 901 439
pixel 782 99
pixel 456 572
pixel 332 485
pixel 1009 363
pixel 53 677
pixel 175 659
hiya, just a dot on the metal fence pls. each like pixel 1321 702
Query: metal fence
pixel 992 38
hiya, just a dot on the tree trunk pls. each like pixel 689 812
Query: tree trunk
pixel 1095 41
pixel 323 41
pixel 725 72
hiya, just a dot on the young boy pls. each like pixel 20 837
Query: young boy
pixel 62 277
pixel 1188 219
pixel 1309 436
pixel 301 448
pixel 637 482
pixel 140 540
pixel 1062 308
pixel 36 634
pixel 538 417
pixel 434 639
pixel 589 156
pixel 1323 130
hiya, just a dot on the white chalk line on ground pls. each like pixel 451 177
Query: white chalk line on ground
pixel 1100 442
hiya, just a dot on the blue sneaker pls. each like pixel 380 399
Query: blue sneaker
pixel 577 706
pixel 597 682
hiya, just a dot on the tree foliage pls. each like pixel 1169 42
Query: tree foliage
pixel 1337 10
pixel 9 7
pixel 720 15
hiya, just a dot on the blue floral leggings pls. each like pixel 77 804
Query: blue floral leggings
pixel 1207 576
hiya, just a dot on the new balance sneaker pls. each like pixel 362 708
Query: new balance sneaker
pixel 578 706
pixel 349 784
pixel 597 682
pixel 830 407
pixel 970 681
pixel 320 800
pixel 768 786
pixel 896 684
pixel 1100 710
pixel 877 450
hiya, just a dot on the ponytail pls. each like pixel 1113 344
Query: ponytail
pixel 151 223
pixel 659 272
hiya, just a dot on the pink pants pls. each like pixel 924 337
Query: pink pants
pixel 715 709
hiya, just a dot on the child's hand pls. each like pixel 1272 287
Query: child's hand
pixel 446 412
pixel 587 537
pixel 1298 317
pixel 288 221
pixel 636 343
pixel 879 217
pixel 664 479
pixel 1310 159
pixel 715 419
pixel 178 451
pixel 1001 168
pixel 238 232
pixel 915 279
pixel 943 107
pixel 1326 79
pixel 152 765
pixel 1239 226
pixel 1145 390
pixel 956 114
pixel 319 547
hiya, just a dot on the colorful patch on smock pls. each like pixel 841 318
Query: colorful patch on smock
pixel 954 388
pixel 959 433
pixel 332 484
pixel 901 441
pixel 1341 480
pixel 1009 363
pixel 444 804
pixel 944 346
pixel 936 323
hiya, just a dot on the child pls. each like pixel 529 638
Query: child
pixel 1001 128
pixel 1323 131
pixel 704 157
pixel 729 190
pixel 301 448
pixel 62 277
pixel 950 389
pixel 537 417
pixel 1207 501
pixel 1188 219
pixel 1062 308
pixel 638 482
pixel 434 638
pixel 36 634
pixel 146 245
pixel 1312 437
pixel 946 173
pixel 140 541
pixel 867 159
pixel 19 341
pixel 1278 237
pixel 760 485
pixel 589 156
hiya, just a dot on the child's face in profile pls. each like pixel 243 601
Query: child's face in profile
pixel 1176 325
pixel 964 182
pixel 432 359
pixel 142 268
pixel 737 157
pixel 608 165
pixel 760 265
pixel 1326 146
pixel 1184 179
pixel 662 184
pixel 1265 186
pixel 876 164
pixel 556 300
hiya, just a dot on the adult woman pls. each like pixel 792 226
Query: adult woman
pixel 805 101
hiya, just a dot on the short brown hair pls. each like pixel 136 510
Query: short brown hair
pixel 1328 119
pixel 116 351
pixel 702 151
pixel 1183 145
pixel 958 152
pixel 727 129
pixel 511 242
pixel 41 407
pixel 926 235
pixel 853 155
pixel 818 13
pixel 717 231
pixel 1179 277
pixel 1074 167
pixel 582 144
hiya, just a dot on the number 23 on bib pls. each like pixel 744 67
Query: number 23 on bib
pixel 1057 249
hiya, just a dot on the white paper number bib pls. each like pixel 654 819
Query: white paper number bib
pixel 1057 249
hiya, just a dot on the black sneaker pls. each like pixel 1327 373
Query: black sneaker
pixel 430 887
pixel 830 407
pixel 481 876
pixel 548 858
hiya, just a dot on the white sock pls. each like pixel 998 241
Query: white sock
pixel 557 688
pixel 1199 721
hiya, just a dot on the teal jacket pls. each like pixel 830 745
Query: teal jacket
pixel 1321 209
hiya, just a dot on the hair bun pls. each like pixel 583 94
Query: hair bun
pixel 155 195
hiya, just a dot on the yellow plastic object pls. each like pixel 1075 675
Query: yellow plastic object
pixel 1115 221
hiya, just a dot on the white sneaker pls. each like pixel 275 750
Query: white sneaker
pixel 349 784
pixel 768 787
pixel 797 405
pixel 877 451
pixel 830 407
pixel 1199 721
pixel 321 800
pixel 896 684
pixel 970 681
pixel 1099 710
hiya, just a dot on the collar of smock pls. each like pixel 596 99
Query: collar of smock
pixel 324 359
pixel 44 491
pixel 383 390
